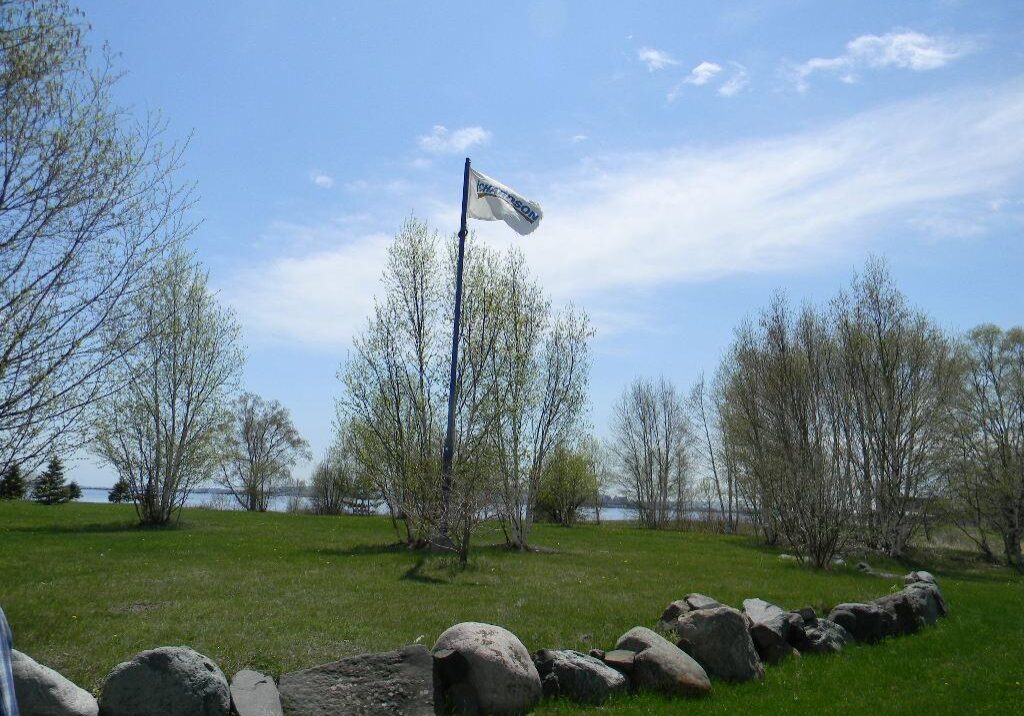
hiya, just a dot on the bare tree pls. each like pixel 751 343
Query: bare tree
pixel 88 203
pixel 985 459
pixel 542 369
pixel 651 441
pixel 706 405
pixel 161 432
pixel 898 378
pixel 785 419
pixel 259 451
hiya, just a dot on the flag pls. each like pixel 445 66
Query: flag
pixel 492 201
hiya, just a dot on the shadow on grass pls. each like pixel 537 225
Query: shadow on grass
pixel 92 528
pixel 414 574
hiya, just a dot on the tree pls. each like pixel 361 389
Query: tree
pixel 542 369
pixel 339 482
pixel 567 484
pixel 651 441
pixel 162 431
pixel 120 493
pixel 785 416
pixel 984 464
pixel 49 487
pixel 259 451
pixel 74 491
pixel 898 377
pixel 714 452
pixel 12 484
pixel 88 203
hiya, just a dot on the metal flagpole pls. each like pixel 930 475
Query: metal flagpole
pixel 449 438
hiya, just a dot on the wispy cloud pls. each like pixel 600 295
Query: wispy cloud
pixel 628 223
pixel 441 140
pixel 904 50
pixel 702 73
pixel 321 180
pixel 655 59
pixel 736 82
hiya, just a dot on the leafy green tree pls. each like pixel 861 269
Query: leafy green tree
pixel 121 492
pixel 50 489
pixel 12 484
pixel 568 482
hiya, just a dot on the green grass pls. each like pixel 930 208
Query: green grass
pixel 84 589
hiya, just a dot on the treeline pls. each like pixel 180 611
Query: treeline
pixel 856 424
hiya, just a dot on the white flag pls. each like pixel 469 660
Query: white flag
pixel 492 201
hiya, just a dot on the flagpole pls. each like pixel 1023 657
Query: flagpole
pixel 448 453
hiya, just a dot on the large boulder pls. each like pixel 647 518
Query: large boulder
pixel 577 676
pixel 720 642
pixel 919 576
pixel 496 674
pixel 825 637
pixel 41 691
pixel 758 610
pixel 865 622
pixel 397 682
pixel 771 639
pixel 912 607
pixel 660 666
pixel 689 603
pixel 167 681
pixel 255 694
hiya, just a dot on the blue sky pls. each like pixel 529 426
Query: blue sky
pixel 691 158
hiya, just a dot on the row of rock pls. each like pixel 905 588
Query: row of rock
pixel 477 668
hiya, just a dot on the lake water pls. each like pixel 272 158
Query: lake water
pixel 223 501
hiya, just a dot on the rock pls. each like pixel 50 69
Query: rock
pixel 41 691
pixel 826 637
pixel 900 613
pixel 864 622
pixel 919 576
pixel 771 639
pixel 597 653
pixel 577 676
pixel 167 681
pixel 927 602
pixel 789 557
pixel 621 660
pixel 864 567
pixel 660 666
pixel 720 642
pixel 397 682
pixel 807 614
pixel 797 635
pixel 500 677
pixel 759 610
pixel 914 606
pixel 689 603
pixel 255 694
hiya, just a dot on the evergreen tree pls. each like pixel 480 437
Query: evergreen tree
pixel 120 492
pixel 74 491
pixel 50 489
pixel 12 484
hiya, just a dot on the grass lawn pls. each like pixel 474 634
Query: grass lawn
pixel 84 589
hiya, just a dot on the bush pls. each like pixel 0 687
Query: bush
pixel 120 492
pixel 12 484
pixel 567 484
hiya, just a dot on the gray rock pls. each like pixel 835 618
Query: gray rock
pixel 826 637
pixel 865 622
pixel 168 681
pixel 720 642
pixel 689 603
pixel 500 677
pixel 577 676
pixel 914 606
pixel 900 616
pixel 760 611
pixel 41 691
pixel 771 639
pixel 797 635
pixel 927 601
pixel 660 666
pixel 919 576
pixel 807 614
pixel 397 682
pixel 255 694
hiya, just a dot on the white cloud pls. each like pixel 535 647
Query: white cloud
pixel 702 73
pixel 321 180
pixel 904 50
pixel 735 84
pixel 655 59
pixel 577 138
pixel 617 228
pixel 441 140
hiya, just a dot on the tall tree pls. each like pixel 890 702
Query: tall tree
pixel 259 451
pixel 12 484
pixel 161 432
pixel 985 456
pixel 651 440
pixel 88 202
